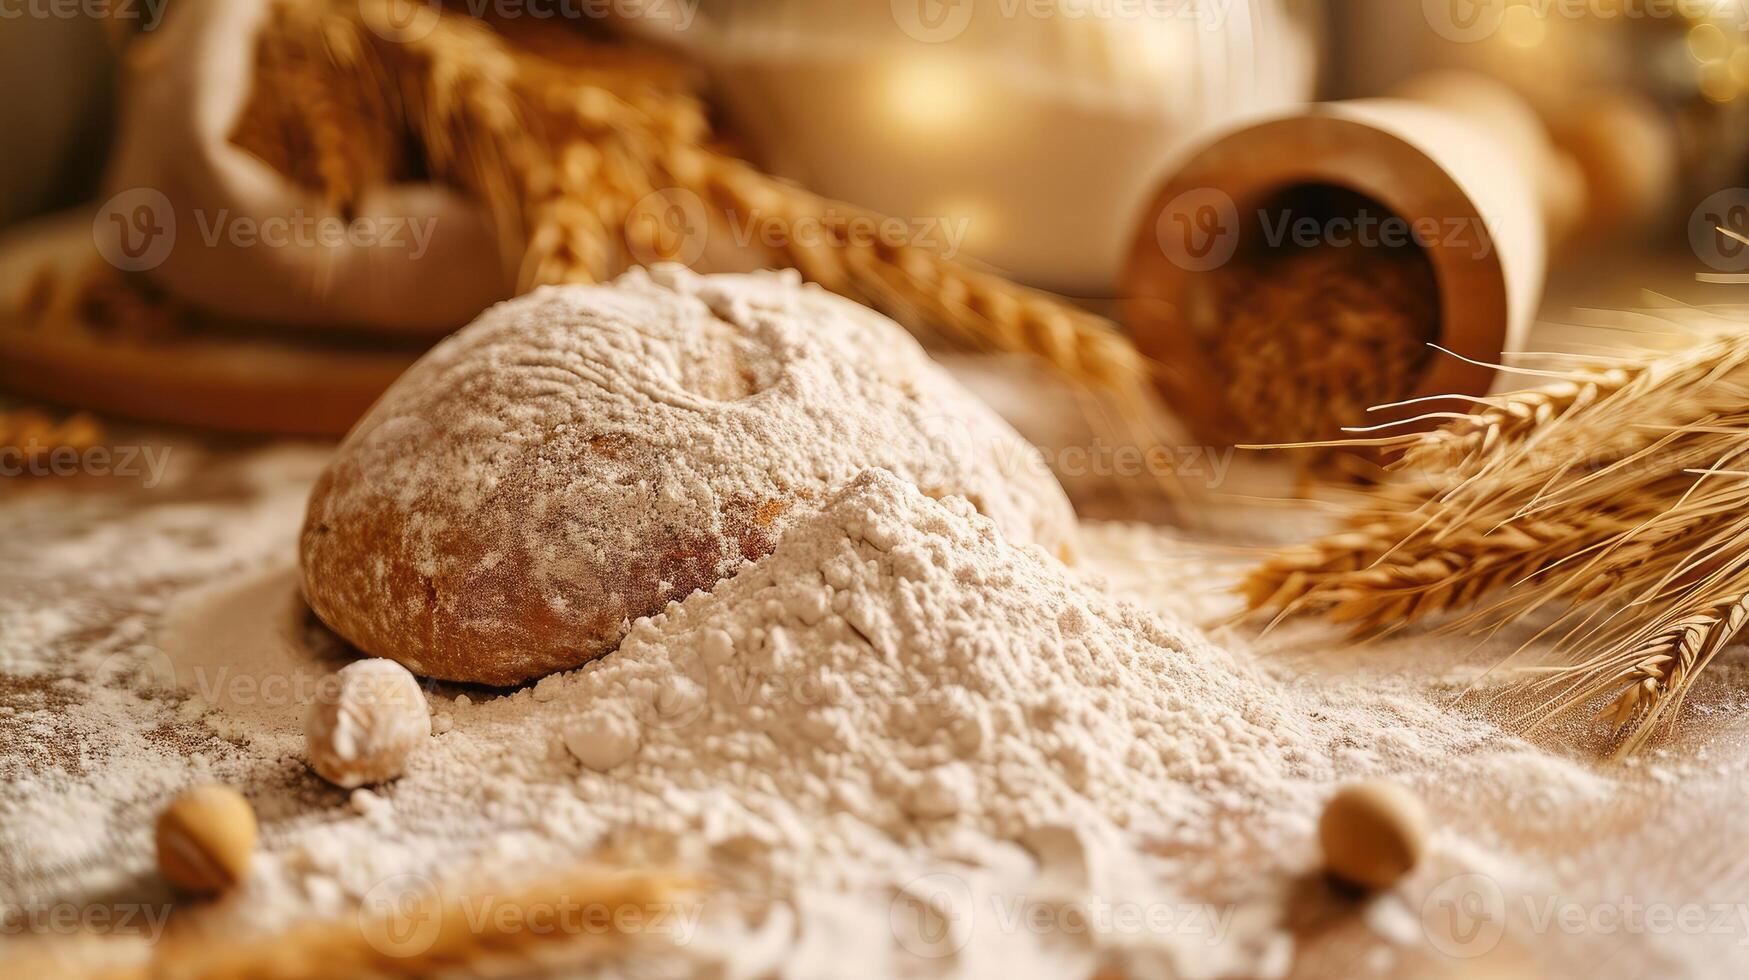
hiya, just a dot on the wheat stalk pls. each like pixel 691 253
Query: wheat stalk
pixel 569 921
pixel 1511 419
pixel 561 138
pixel 1613 495
pixel 920 288
pixel 29 436
pixel 1374 579
pixel 325 129
pixel 1658 672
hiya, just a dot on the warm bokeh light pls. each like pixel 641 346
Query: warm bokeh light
pixel 1707 42
pixel 972 220
pixel 1718 83
pixel 1523 27
pixel 929 96
pixel 1740 65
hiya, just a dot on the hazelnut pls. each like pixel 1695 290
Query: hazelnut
pixel 1373 833
pixel 204 839
pixel 366 724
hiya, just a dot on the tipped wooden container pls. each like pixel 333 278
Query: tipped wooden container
pixel 1463 164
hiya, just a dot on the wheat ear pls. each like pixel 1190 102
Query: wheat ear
pixel 1511 419
pixel 33 435
pixel 561 145
pixel 1586 411
pixel 433 934
pixel 1369 580
pixel 1616 495
pixel 1650 679
pixel 919 287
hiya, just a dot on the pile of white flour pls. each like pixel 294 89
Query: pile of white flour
pixel 898 662
pixel 895 710
pixel 895 693
pixel 896 690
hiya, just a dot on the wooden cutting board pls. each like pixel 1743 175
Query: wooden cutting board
pixel 241 378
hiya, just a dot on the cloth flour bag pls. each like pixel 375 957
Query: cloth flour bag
pixel 225 232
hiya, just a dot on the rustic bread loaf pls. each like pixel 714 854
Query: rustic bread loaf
pixel 584 455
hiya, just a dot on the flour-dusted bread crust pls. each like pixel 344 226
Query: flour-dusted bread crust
pixel 584 455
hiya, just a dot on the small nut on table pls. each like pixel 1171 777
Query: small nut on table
pixel 1373 833
pixel 204 838
pixel 367 724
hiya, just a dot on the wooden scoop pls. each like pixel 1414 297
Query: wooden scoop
pixel 1459 159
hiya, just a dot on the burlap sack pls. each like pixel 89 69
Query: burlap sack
pixel 223 231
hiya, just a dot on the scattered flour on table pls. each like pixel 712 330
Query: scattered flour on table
pixel 898 743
